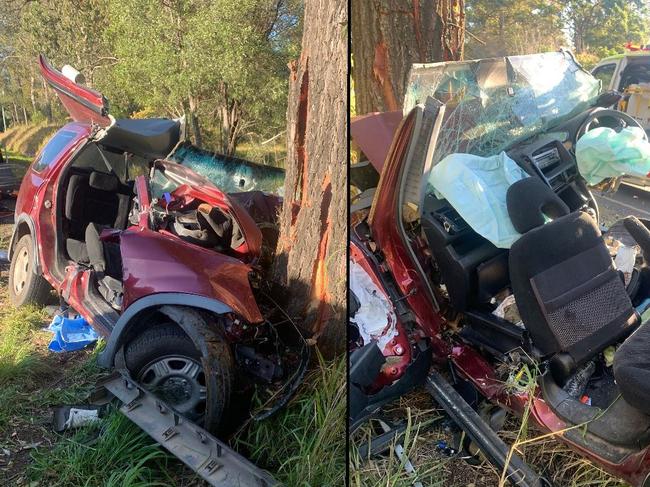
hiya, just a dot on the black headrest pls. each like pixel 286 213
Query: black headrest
pixel 100 180
pixel 529 201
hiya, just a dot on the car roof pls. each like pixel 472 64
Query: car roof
pixel 616 57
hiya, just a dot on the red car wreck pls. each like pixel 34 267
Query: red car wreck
pixel 432 295
pixel 162 263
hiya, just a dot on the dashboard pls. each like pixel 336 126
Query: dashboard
pixel 550 157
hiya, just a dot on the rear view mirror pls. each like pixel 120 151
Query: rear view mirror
pixel 608 99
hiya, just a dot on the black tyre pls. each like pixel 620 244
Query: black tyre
pixel 164 360
pixel 26 287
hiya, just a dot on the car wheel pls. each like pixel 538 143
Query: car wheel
pixel 25 286
pixel 164 360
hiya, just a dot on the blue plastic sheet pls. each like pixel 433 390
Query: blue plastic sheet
pixel 70 334
pixel 476 187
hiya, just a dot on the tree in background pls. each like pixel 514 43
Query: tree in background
pixel 591 28
pixel 603 27
pixel 311 250
pixel 505 27
pixel 220 63
pixel 390 35
pixel 214 58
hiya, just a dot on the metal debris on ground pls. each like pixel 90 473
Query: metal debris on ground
pixel 212 459
pixel 401 454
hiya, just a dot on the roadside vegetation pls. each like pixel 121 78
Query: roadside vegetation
pixel 433 467
pixel 222 65
pixel 303 445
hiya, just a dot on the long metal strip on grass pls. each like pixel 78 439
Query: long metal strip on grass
pixel 519 473
pixel 213 460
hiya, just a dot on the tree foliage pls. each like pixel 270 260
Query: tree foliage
pixel 220 63
pixel 591 28
pixel 506 27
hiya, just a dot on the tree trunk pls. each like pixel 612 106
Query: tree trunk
pixel 32 94
pixel 230 121
pixel 195 128
pixel 388 36
pixel 48 102
pixel 578 38
pixel 311 252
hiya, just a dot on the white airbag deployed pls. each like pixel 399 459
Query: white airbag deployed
pixel 476 187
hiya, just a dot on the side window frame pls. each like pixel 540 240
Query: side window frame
pixel 37 166
pixel 613 66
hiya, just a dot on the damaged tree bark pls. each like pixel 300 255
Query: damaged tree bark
pixel 311 252
pixel 388 36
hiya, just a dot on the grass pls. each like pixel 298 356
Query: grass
pixel 304 445
pixel 27 139
pixel 390 468
pixel 271 154
pixel 114 452
pixel 21 333
pixel 545 453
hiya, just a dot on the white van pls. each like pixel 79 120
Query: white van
pixel 628 74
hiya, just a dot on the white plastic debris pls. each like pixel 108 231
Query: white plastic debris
pixel 625 258
pixel 375 317
pixel 81 417
pixel 501 309
pixel 73 75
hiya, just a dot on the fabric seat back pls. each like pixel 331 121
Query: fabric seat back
pixel 569 295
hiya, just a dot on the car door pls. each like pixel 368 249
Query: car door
pixel 82 103
pixel 36 201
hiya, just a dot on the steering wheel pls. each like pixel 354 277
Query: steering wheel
pixel 623 120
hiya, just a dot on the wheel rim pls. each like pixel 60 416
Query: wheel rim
pixel 179 381
pixel 21 270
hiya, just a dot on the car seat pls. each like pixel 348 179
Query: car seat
pixel 106 260
pixel 571 299
pixel 93 198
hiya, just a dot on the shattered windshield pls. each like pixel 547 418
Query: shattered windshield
pixel 230 174
pixel 492 103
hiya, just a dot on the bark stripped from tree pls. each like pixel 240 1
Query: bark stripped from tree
pixel 311 253
pixel 388 36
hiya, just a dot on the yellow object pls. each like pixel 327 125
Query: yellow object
pixel 608 353
pixel 638 104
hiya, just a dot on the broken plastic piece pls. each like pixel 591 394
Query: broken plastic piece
pixel 625 259
pixel 70 334
pixel 603 153
pixel 71 417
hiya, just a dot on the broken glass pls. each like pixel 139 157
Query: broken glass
pixel 229 174
pixel 493 103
